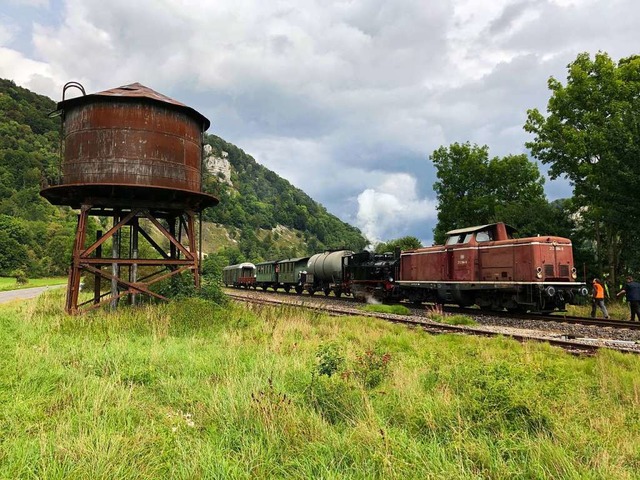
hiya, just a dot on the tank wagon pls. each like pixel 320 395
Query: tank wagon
pixel 326 273
pixel 486 266
pixel 242 275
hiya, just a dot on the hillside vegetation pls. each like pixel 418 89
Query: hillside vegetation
pixel 195 390
pixel 258 200
pixel 34 236
pixel 260 215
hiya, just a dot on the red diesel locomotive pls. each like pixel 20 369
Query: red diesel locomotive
pixel 486 266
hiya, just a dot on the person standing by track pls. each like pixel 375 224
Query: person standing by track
pixel 598 299
pixel 632 290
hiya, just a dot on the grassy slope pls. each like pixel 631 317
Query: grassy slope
pixel 9 283
pixel 191 390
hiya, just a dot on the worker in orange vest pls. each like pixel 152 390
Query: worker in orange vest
pixel 598 299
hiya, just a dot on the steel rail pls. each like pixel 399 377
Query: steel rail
pixel 575 347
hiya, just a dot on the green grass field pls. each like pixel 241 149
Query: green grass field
pixel 9 283
pixel 192 390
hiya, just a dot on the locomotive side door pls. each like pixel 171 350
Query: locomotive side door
pixel 463 262
pixel 448 265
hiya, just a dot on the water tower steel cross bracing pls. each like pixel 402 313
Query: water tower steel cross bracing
pixel 134 155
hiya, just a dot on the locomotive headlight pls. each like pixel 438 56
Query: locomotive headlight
pixel 574 274
pixel 539 272
pixel 391 279
pixel 551 291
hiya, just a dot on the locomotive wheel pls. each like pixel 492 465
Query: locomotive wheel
pixel 338 293
pixel 311 291
pixel 264 288
pixel 298 289
pixel 327 292
pixel 287 288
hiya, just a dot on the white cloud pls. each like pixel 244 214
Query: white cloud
pixel 28 73
pixel 31 3
pixel 385 211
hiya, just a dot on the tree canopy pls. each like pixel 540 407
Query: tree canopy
pixel 403 243
pixel 591 135
pixel 473 190
pixel 34 236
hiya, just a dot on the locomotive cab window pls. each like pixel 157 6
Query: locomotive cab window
pixel 459 239
pixel 453 239
pixel 484 236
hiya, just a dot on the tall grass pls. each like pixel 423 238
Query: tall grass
pixel 193 390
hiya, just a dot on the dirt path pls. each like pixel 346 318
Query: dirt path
pixel 24 293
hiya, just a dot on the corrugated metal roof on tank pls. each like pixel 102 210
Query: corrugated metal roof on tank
pixel 137 91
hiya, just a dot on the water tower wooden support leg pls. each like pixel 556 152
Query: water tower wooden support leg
pixel 180 256
pixel 193 246
pixel 75 272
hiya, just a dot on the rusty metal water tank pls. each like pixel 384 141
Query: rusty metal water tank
pixel 130 146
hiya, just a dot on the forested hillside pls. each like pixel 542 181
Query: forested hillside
pixel 256 210
pixel 257 199
pixel 34 236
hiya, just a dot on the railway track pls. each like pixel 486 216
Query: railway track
pixel 474 312
pixel 555 317
pixel 577 346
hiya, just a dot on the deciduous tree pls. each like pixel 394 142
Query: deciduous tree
pixel 591 135
pixel 473 190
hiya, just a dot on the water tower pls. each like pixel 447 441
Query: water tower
pixel 135 156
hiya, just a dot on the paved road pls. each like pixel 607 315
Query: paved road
pixel 24 293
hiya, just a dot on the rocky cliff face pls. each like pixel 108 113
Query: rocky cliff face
pixel 218 166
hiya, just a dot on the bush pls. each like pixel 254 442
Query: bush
pixel 372 367
pixel 21 276
pixel 211 289
pixel 330 359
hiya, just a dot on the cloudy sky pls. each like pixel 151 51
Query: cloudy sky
pixel 346 99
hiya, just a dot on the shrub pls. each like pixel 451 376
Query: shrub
pixel 372 367
pixel 211 289
pixel 329 359
pixel 21 276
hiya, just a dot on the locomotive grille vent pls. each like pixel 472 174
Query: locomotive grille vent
pixel 548 270
pixel 564 270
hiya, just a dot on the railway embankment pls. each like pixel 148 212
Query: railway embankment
pixel 192 389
